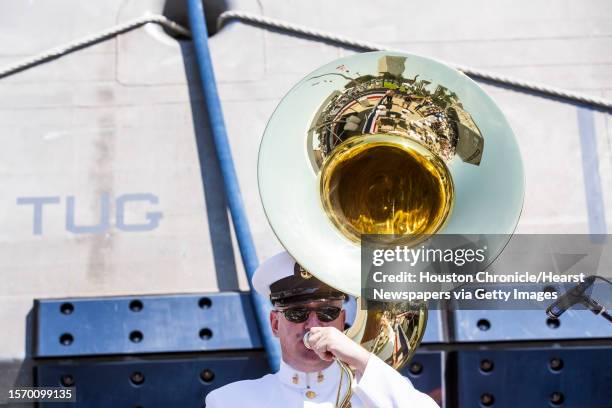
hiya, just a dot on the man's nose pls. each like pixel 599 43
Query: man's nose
pixel 313 320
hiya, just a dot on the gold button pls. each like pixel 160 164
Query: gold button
pixel 311 394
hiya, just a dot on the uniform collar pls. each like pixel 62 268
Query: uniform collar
pixel 328 377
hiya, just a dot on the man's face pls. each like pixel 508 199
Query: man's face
pixel 291 335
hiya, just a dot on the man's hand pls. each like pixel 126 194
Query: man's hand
pixel 329 342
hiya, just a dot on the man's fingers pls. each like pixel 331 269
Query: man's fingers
pixel 321 350
pixel 320 344
pixel 315 335
pixel 320 340
pixel 312 339
pixel 327 356
pixel 316 342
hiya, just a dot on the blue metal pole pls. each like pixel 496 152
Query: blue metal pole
pixel 262 306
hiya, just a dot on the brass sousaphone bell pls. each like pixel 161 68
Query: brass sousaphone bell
pixel 386 143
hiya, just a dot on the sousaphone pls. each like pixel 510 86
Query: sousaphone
pixel 386 143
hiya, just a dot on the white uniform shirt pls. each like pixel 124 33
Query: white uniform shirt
pixel 379 387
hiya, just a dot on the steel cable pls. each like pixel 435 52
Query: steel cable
pixel 496 79
pixel 62 50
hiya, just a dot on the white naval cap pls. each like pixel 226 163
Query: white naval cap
pixel 271 270
pixel 282 280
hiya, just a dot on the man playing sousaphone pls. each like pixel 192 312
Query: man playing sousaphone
pixel 305 307
pixel 382 144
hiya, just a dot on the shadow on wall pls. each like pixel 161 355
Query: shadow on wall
pixel 212 180
pixel 18 374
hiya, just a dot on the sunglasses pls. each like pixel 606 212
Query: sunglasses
pixel 300 314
